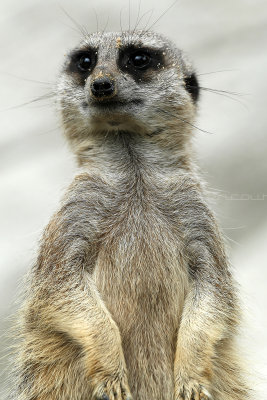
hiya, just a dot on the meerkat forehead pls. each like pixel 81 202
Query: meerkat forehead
pixel 125 38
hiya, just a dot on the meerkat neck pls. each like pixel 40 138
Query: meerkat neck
pixel 119 151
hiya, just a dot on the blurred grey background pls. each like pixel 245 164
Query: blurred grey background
pixel 228 42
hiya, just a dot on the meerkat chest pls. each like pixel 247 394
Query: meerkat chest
pixel 140 271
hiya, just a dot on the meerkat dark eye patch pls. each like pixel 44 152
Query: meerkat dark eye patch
pixel 137 60
pixel 82 61
pixel 191 85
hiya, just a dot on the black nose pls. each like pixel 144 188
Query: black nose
pixel 103 87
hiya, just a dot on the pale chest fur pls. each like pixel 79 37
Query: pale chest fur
pixel 142 276
pixel 140 264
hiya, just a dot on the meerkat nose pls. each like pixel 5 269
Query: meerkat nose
pixel 103 87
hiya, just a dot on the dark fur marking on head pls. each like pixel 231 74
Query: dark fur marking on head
pixel 72 66
pixel 191 85
pixel 140 75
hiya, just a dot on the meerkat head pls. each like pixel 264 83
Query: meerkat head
pixel 135 82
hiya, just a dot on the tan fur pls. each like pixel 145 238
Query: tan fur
pixel 131 294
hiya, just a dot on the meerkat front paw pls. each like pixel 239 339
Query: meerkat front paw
pixel 113 389
pixel 191 390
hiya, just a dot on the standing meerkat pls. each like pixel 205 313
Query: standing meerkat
pixel 131 294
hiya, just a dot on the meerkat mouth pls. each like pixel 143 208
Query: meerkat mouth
pixel 114 123
pixel 112 104
pixel 113 113
pixel 114 118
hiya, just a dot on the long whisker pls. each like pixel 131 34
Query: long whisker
pixel 105 27
pixel 97 22
pixel 149 18
pixel 48 131
pixel 162 15
pixel 27 79
pixel 72 28
pixel 223 91
pixel 121 19
pixel 39 98
pixel 228 94
pixel 217 72
pixel 137 18
pixel 224 94
pixel 129 15
pixel 184 120
pixel 147 12
pixel 82 30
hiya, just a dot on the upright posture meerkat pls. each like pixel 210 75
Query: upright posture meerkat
pixel 131 295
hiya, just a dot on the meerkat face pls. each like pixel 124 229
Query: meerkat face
pixel 128 81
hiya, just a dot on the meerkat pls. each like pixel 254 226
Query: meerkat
pixel 131 296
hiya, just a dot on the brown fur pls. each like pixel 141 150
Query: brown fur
pixel 131 294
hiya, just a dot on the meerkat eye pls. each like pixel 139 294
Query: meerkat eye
pixel 140 60
pixel 81 63
pixel 84 62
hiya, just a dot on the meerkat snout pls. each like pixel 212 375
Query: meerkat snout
pixel 103 87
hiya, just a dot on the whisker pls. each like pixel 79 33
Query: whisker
pixel 105 27
pixel 217 72
pixel 149 11
pixel 121 18
pixel 184 120
pixel 81 29
pixel 72 28
pixel 27 79
pixel 162 15
pixel 129 15
pixel 40 98
pixel 48 131
pixel 224 93
pixel 149 18
pixel 97 22
pixel 138 14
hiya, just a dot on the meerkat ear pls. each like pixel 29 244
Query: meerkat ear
pixel 191 85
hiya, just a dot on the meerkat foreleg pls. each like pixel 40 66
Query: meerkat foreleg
pixel 204 323
pixel 72 341
pixel 198 333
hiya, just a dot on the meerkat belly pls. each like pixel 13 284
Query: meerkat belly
pixel 142 280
